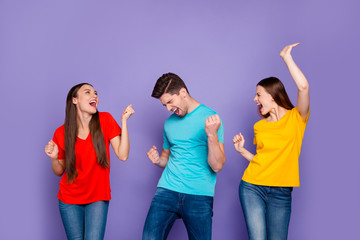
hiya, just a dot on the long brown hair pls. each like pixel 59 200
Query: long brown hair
pixel 71 132
pixel 277 91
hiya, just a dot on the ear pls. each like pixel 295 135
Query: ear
pixel 75 101
pixel 183 92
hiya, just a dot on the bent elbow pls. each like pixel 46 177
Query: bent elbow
pixel 218 168
pixel 304 87
pixel 59 173
pixel 123 158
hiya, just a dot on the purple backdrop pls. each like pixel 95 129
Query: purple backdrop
pixel 221 49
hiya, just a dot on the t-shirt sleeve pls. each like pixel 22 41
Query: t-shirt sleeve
pixel 111 127
pixel 299 118
pixel 220 132
pixel 59 140
pixel 166 144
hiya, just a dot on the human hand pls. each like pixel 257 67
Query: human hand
pixel 239 142
pixel 52 150
pixel 212 125
pixel 153 155
pixel 286 52
pixel 127 113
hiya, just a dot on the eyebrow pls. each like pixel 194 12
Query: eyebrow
pixel 88 89
pixel 164 104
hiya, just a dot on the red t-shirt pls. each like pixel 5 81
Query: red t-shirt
pixel 92 183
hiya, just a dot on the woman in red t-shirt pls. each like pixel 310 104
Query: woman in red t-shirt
pixel 81 147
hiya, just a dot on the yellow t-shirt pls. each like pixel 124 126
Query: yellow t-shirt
pixel 276 162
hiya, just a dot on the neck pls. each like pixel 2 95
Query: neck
pixel 192 104
pixel 83 120
pixel 276 114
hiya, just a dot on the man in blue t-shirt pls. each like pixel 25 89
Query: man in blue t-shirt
pixel 192 154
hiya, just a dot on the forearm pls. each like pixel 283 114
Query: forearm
pixel 163 158
pixel 124 146
pixel 303 99
pixel 216 154
pixel 162 162
pixel 58 166
pixel 296 74
pixel 246 154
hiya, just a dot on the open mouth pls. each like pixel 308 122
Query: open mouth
pixel 260 106
pixel 93 103
pixel 176 111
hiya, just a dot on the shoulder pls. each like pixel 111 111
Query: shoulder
pixel 59 135
pixel 295 114
pixel 104 115
pixel 106 118
pixel 60 130
pixel 172 117
pixel 260 123
pixel 206 110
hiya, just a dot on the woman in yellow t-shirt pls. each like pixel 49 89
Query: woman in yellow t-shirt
pixel 266 187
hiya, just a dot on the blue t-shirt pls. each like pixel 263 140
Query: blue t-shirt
pixel 188 170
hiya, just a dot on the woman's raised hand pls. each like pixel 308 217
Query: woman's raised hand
pixel 286 52
pixel 127 113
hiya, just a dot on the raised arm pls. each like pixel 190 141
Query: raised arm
pixel 303 98
pixel 121 144
pixel 239 142
pixel 216 154
pixel 57 165
pixel 161 160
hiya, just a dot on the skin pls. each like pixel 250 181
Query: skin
pixel 85 110
pixel 269 105
pixel 182 104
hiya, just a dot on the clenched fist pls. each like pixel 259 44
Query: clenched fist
pixel 153 155
pixel 127 113
pixel 212 125
pixel 239 142
pixel 51 149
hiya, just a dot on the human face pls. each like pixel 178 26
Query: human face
pixel 86 100
pixel 264 100
pixel 174 103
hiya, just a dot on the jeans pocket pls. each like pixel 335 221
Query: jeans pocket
pixel 286 190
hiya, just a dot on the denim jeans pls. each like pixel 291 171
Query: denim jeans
pixel 196 212
pixel 266 210
pixel 84 221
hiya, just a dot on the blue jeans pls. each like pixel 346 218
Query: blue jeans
pixel 84 221
pixel 196 212
pixel 266 210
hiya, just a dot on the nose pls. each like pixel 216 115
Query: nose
pixel 255 98
pixel 168 107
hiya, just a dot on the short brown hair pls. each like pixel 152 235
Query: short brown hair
pixel 168 83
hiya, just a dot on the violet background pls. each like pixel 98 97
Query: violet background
pixel 221 49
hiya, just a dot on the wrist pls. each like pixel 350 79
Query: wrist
pixel 241 150
pixel 287 58
pixel 212 137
